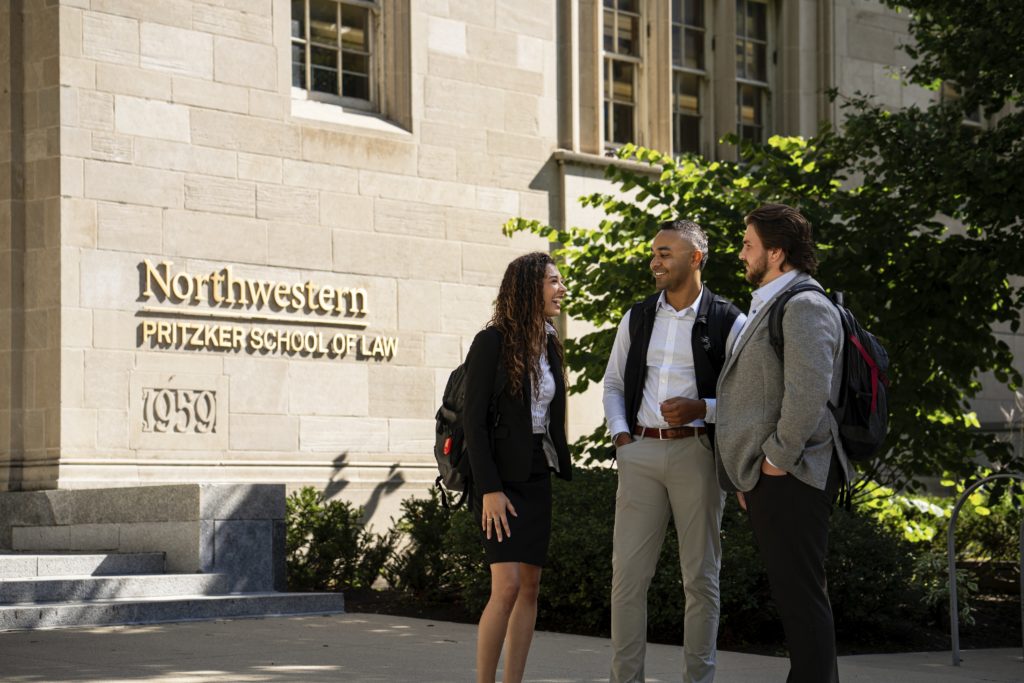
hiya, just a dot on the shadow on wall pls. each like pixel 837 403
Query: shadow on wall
pixel 337 483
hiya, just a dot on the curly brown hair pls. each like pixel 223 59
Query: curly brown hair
pixel 519 316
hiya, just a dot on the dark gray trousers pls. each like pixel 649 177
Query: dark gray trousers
pixel 790 523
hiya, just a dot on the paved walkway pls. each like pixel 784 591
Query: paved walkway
pixel 370 648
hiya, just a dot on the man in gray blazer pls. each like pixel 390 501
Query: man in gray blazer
pixel 777 443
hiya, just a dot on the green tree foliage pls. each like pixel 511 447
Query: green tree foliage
pixel 917 218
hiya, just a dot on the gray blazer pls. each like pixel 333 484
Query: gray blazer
pixel 763 411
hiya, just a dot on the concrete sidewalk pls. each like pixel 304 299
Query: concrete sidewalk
pixel 364 648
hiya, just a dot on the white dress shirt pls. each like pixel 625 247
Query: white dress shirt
pixel 670 369
pixel 541 397
pixel 762 295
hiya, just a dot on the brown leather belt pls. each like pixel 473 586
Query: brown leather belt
pixel 669 433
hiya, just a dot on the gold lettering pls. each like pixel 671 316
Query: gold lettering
pixel 148 330
pixel 231 283
pixel 284 341
pixel 354 301
pixel 298 298
pixel 163 332
pixel 390 347
pixel 183 291
pixel 358 305
pixel 223 288
pixel 200 281
pixel 281 294
pixel 326 298
pixel 350 342
pixel 338 343
pixel 310 291
pixel 259 290
pixel 153 274
pixel 236 337
pixel 256 339
pixel 216 279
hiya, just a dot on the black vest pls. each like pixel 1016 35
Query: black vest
pixel 715 319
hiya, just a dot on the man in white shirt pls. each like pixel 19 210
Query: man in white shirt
pixel 778 442
pixel 659 402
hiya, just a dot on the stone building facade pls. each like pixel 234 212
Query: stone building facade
pixel 246 240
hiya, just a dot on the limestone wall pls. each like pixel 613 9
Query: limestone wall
pixel 184 143
pixel 30 245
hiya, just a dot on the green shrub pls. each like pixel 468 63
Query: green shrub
pixel 748 614
pixel 467 570
pixel 420 566
pixel 988 526
pixel 870 579
pixel 328 547
pixel 871 570
pixel 575 589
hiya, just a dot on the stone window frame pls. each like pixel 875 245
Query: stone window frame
pixel 762 87
pixel 654 118
pixel 620 10
pixel 703 71
pixel 390 108
pixel 308 43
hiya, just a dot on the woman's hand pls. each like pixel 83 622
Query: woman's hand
pixel 494 515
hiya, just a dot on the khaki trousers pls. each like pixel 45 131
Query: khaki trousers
pixel 658 478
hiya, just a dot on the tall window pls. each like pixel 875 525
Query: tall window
pixel 951 94
pixel 751 68
pixel 689 74
pixel 333 49
pixel 622 61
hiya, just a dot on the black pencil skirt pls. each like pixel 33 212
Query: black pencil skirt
pixel 531 528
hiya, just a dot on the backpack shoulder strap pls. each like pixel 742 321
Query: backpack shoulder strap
pixel 635 317
pixel 718 317
pixel 775 336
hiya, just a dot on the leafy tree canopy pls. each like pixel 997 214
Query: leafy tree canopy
pixel 917 218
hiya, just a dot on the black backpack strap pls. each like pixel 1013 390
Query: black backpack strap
pixel 775 336
pixel 636 319
pixel 718 322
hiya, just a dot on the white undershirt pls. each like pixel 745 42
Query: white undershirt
pixel 541 397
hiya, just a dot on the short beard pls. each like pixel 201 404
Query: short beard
pixel 756 274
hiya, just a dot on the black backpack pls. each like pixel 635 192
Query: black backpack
pixel 454 473
pixel 863 410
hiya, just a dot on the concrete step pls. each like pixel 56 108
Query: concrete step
pixel 21 565
pixel 168 608
pixel 78 588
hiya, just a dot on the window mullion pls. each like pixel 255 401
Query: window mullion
pixel 338 44
pixel 309 48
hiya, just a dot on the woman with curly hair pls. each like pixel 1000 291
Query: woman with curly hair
pixel 514 419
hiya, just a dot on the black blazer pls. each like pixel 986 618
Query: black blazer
pixel 510 457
